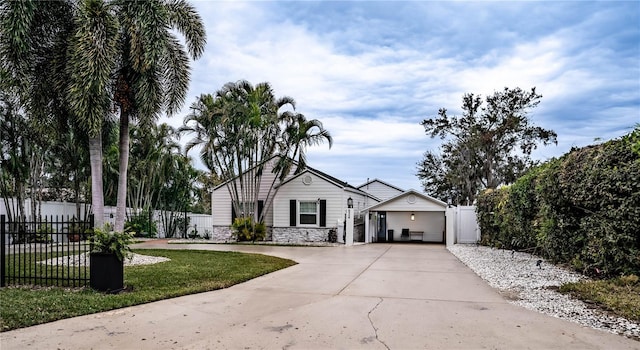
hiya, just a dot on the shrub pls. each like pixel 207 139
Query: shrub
pixel 43 234
pixel 180 226
pixel 489 208
pixel 581 209
pixel 245 229
pixel 141 225
pixel 194 233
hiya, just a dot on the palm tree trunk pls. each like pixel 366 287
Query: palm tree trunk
pixel 97 195
pixel 121 201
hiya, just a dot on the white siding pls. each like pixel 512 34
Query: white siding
pixel 221 200
pixel 380 190
pixel 432 224
pixel 318 189
pixel 360 202
pixel 221 207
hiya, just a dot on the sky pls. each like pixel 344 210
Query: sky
pixel 371 71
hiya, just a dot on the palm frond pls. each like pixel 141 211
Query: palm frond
pixel 176 75
pixel 184 18
pixel 91 63
pixel 16 41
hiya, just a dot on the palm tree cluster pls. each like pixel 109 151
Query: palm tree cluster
pixel 240 129
pixel 84 62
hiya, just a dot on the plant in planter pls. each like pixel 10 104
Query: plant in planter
pixel 333 235
pixel 109 249
pixel 76 231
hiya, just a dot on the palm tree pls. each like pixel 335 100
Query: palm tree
pixel 152 154
pixel 153 74
pixel 301 133
pixel 240 129
pixel 93 54
pixel 62 54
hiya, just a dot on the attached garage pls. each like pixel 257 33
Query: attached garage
pixel 408 217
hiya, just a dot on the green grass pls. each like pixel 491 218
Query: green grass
pixel 188 272
pixel 621 295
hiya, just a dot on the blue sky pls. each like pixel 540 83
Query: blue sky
pixel 372 70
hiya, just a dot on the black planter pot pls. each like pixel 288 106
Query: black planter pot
pixel 106 272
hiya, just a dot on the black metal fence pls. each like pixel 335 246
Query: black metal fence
pixel 45 252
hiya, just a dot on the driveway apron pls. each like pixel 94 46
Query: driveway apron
pixel 375 296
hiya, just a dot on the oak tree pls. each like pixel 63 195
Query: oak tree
pixel 489 145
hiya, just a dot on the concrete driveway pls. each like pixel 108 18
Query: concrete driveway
pixel 375 296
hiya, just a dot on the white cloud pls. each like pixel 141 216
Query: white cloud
pixel 373 79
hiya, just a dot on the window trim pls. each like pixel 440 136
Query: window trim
pixel 300 213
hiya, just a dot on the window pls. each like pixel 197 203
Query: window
pixel 246 209
pixel 308 213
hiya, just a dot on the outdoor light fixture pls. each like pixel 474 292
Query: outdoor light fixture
pixel 413 217
pixel 350 203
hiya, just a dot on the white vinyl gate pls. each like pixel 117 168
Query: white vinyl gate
pixel 462 225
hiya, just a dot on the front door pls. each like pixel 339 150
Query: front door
pixel 382 226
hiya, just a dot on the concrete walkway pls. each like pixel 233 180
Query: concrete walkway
pixel 373 296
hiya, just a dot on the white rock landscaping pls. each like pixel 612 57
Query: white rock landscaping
pixel 83 259
pixel 531 285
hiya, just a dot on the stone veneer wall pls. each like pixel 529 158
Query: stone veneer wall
pixel 224 233
pixel 300 234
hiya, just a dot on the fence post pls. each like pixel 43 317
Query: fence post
pixel 2 252
pixel 91 224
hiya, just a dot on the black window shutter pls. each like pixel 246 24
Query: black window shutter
pixel 233 213
pixel 292 213
pixel 260 207
pixel 323 213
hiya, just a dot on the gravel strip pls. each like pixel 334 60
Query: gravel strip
pixel 530 282
pixel 83 259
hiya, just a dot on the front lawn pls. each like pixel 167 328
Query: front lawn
pixel 188 272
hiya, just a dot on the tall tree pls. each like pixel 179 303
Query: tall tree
pixel 152 154
pixel 70 167
pixel 35 44
pixel 14 163
pixel 92 58
pixel 153 71
pixel 489 145
pixel 240 129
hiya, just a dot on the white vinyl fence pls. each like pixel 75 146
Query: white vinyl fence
pixel 462 225
pixel 202 224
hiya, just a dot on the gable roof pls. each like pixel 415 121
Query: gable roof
pixel 333 180
pixel 382 182
pixel 405 194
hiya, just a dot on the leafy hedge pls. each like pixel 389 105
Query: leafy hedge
pixel 582 209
